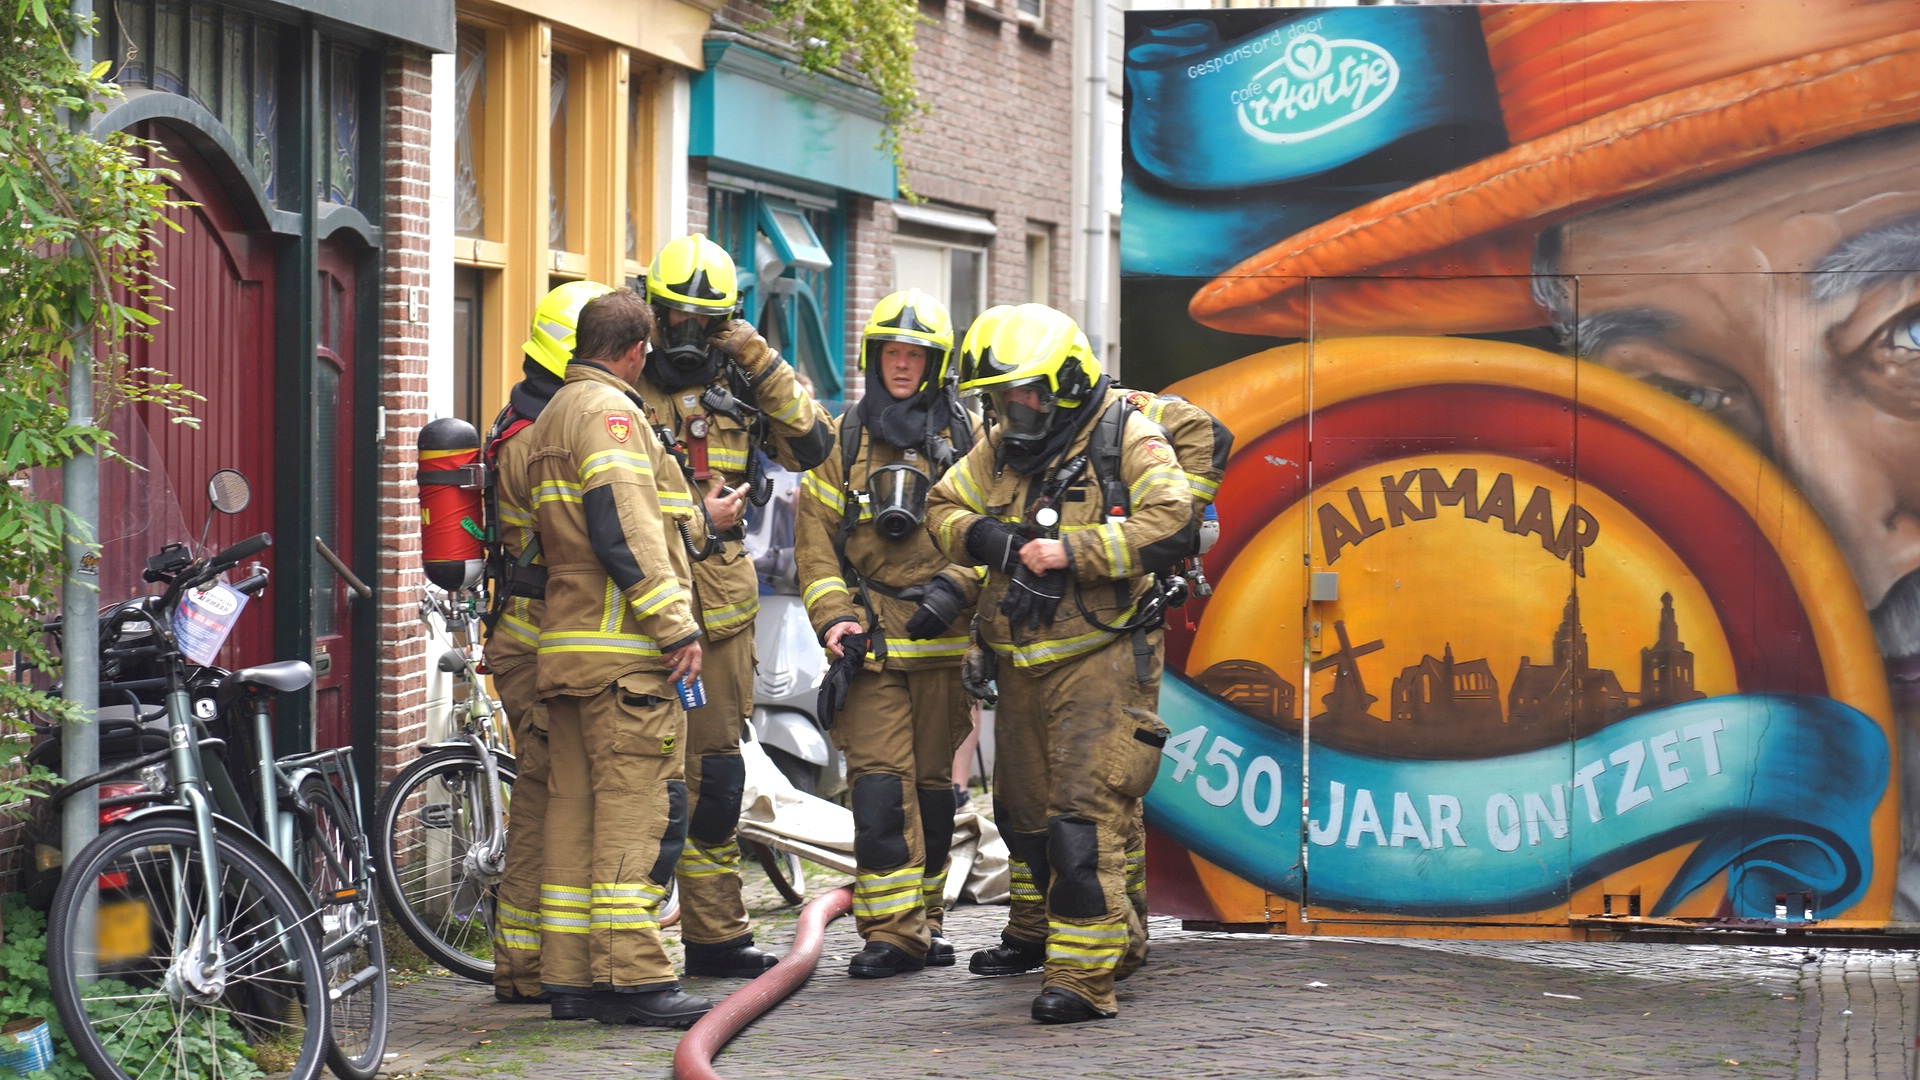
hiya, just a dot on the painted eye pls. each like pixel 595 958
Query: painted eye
pixel 1905 331
pixel 1705 398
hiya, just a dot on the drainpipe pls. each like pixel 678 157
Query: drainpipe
pixel 1096 324
pixel 80 593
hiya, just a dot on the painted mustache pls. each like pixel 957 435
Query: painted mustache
pixel 1896 624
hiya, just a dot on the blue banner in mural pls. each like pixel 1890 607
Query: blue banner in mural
pixel 1234 141
pixel 1777 791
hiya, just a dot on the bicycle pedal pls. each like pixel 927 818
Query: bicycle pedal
pixel 437 815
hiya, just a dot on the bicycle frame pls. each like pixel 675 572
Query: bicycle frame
pixel 474 720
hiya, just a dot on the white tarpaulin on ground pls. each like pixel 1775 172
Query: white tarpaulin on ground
pixel 776 813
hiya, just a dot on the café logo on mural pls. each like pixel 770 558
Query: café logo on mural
pixel 1316 86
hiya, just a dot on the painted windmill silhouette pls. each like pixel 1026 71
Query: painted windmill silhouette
pixel 1348 700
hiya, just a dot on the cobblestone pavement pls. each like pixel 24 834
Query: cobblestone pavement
pixel 1226 1005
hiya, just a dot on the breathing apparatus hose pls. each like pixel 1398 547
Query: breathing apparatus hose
pixel 693 1057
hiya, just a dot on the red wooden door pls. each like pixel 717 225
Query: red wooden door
pixel 333 495
pixel 218 341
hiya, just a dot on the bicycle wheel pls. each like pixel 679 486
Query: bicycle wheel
pixel 431 828
pixel 136 1000
pixel 783 869
pixel 329 857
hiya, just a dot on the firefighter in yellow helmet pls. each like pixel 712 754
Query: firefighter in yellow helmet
pixel 723 395
pixel 1070 611
pixel 894 613
pixel 618 632
pixel 517 579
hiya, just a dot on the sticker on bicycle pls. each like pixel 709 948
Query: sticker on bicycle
pixel 204 619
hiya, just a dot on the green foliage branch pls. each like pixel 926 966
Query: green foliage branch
pixel 873 39
pixel 77 213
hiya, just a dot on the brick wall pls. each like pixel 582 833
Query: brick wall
pixel 998 142
pixel 999 139
pixel 401 657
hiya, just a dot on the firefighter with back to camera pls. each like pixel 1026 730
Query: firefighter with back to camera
pixel 894 614
pixel 1071 614
pixel 618 633
pixel 722 394
pixel 517 578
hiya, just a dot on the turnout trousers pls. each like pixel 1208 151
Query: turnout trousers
pixel 1076 748
pixel 616 820
pixel 711 909
pixel 899 732
pixel 516 923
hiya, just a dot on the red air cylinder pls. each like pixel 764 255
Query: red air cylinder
pixel 452 518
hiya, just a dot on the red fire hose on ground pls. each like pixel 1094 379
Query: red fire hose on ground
pixel 693 1058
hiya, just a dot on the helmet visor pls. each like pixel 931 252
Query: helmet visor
pixel 1024 410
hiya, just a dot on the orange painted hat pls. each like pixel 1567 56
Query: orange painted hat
pixel 1601 102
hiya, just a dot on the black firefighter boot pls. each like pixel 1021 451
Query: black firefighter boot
pixel 736 959
pixel 1011 957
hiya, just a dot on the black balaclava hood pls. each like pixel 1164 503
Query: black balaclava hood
pixel 530 395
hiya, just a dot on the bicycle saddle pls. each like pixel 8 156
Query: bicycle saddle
pixel 285 676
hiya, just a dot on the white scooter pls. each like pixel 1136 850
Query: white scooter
pixel 786 683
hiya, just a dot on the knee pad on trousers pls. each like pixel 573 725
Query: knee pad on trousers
pixel 723 779
pixel 676 835
pixel 880 821
pixel 1074 846
pixel 936 826
pixel 1030 848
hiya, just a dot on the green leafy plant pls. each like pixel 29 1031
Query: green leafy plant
pixel 25 991
pixel 873 39
pixel 77 215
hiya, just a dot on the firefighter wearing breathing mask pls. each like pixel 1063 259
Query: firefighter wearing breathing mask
pixel 1070 614
pixel 720 395
pixel 894 614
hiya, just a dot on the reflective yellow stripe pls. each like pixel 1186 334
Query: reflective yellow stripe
pixel 678 503
pixel 790 412
pixel 580 641
pixel 1042 652
pixel 732 615
pixel 1022 888
pixel 728 460
pixel 968 491
pixel 1093 947
pixel 821 588
pixel 517 629
pixel 828 495
pixel 1119 556
pixel 698 861
pixel 910 648
pixel 1136 870
pixel 513 515
pixel 563 909
pixel 610 609
pixel 597 463
pixel 876 895
pixel 1152 478
pixel 1203 488
pixel 657 597
pixel 934 888
pixel 547 491
pixel 515 927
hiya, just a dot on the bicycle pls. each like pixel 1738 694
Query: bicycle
pixel 269 928
pixel 441 826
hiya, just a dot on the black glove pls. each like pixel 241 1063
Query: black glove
pixel 839 677
pixel 977 673
pixel 995 544
pixel 1032 598
pixel 940 604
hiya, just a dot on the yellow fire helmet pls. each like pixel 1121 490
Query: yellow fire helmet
pixel 977 337
pixel 694 274
pixel 550 340
pixel 1033 345
pixel 913 318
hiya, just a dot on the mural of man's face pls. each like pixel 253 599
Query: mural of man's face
pixel 1785 301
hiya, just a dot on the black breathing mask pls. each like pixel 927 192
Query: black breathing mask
pixel 898 495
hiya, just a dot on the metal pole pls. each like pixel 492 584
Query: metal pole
pixel 80 595
pixel 1096 324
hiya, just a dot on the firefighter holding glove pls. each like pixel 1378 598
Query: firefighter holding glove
pixel 617 633
pixel 893 612
pixel 1069 611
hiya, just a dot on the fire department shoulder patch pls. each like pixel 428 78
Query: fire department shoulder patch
pixel 1158 450
pixel 620 427
pixel 1139 400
